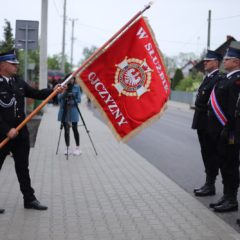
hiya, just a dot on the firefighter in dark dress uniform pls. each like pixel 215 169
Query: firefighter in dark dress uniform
pixel 13 90
pixel 200 121
pixel 222 124
pixel 237 124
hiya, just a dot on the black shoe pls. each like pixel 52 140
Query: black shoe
pixel 207 190
pixel 218 203
pixel 198 189
pixel 227 206
pixel 238 222
pixel 2 211
pixel 35 204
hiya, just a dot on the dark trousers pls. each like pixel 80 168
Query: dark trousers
pixel 208 151
pixel 228 163
pixel 67 133
pixel 229 166
pixel 20 148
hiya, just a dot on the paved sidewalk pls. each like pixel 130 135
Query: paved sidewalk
pixel 116 195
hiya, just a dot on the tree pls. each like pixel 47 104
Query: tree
pixel 183 58
pixel 8 42
pixel 178 76
pixel 33 59
pixel 87 52
pixel 54 63
pixel 170 63
pixel 190 83
pixel 185 85
pixel 180 60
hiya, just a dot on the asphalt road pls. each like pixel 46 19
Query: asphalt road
pixel 172 146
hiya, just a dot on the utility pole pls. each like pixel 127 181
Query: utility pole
pixel 72 40
pixel 209 30
pixel 43 46
pixel 43 77
pixel 63 38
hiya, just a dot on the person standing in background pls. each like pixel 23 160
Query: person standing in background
pixel 68 114
pixel 222 126
pixel 211 63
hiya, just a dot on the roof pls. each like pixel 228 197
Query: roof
pixel 189 63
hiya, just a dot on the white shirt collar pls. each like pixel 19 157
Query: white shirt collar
pixel 231 73
pixel 6 78
pixel 209 74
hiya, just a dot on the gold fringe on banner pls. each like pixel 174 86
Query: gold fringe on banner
pixel 95 102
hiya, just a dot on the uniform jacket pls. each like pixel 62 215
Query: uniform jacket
pixel 12 103
pixel 226 90
pixel 200 118
pixel 68 111
pixel 237 119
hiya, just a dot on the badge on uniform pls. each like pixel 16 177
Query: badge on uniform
pixel 231 138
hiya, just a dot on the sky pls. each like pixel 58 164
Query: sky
pixel 180 26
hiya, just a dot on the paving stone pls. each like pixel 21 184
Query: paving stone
pixel 116 195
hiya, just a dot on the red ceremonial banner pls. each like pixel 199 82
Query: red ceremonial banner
pixel 128 81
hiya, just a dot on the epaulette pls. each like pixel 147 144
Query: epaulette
pixel 235 76
pixel 222 75
pixel 237 79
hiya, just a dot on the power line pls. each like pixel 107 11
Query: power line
pixel 217 19
pixel 57 10
pixel 181 42
pixel 94 27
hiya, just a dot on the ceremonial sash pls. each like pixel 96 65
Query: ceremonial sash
pixel 216 108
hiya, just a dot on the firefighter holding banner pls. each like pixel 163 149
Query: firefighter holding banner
pixel 222 124
pixel 13 90
pixel 200 122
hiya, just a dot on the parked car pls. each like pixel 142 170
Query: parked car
pixel 54 76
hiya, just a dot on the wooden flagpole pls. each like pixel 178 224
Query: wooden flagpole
pixel 55 92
